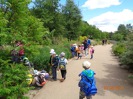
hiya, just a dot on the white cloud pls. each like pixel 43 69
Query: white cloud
pixel 110 21
pixel 93 4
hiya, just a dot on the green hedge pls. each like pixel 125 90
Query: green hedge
pixel 119 48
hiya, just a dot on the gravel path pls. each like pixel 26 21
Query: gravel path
pixel 112 81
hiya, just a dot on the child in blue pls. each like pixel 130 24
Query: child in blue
pixel 87 83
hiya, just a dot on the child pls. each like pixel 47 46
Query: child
pixel 91 52
pixel 79 52
pixel 62 66
pixel 87 83
pixel 82 49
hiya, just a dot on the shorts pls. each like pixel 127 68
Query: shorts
pixel 82 95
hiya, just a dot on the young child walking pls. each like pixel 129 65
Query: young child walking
pixel 91 52
pixel 62 66
pixel 79 52
pixel 87 83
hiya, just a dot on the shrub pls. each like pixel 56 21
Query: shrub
pixel 119 48
pixel 127 57
pixel 13 83
pixel 41 60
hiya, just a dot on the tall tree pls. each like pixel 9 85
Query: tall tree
pixel 49 13
pixel 19 22
pixel 122 29
pixel 73 17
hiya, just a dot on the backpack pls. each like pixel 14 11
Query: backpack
pixel 72 49
pixel 62 64
pixel 92 50
pixel 41 80
pixel 87 83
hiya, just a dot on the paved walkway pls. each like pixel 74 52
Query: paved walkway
pixel 112 81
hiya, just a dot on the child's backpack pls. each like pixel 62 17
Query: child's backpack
pixel 88 84
pixel 72 49
pixel 62 64
pixel 92 50
pixel 41 80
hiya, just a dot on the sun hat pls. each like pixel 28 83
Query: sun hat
pixel 51 51
pixel 86 64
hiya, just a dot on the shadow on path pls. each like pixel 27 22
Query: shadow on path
pixel 115 81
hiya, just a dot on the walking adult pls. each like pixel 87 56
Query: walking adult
pixel 103 41
pixel 88 44
pixel 72 50
pixel 85 46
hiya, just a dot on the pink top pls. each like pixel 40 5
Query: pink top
pixel 91 49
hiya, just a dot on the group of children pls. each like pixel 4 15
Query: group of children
pixel 80 51
pixel 58 63
pixel 87 83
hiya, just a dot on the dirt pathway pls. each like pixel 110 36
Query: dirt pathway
pixel 108 75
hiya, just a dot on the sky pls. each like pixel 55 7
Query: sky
pixel 106 15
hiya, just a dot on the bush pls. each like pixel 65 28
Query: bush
pixel 127 57
pixel 117 37
pixel 41 60
pixel 13 83
pixel 119 48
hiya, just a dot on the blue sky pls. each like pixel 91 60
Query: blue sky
pixel 106 14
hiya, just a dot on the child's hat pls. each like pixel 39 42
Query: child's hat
pixel 86 64
pixel 62 54
pixel 51 51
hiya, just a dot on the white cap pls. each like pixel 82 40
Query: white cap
pixel 51 51
pixel 86 64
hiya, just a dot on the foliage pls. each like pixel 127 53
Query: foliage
pixel 122 29
pixel 92 32
pixel 46 10
pixel 72 16
pixel 18 23
pixel 13 83
pixel 117 37
pixel 82 38
pixel 119 49
pixel 127 56
pixel 41 60
pixel 3 30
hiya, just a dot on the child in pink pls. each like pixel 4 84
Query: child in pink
pixel 91 51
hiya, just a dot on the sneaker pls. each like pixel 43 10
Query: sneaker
pixel 61 80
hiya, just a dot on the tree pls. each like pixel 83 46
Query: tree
pixel 122 29
pixel 49 13
pixel 72 17
pixel 18 22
